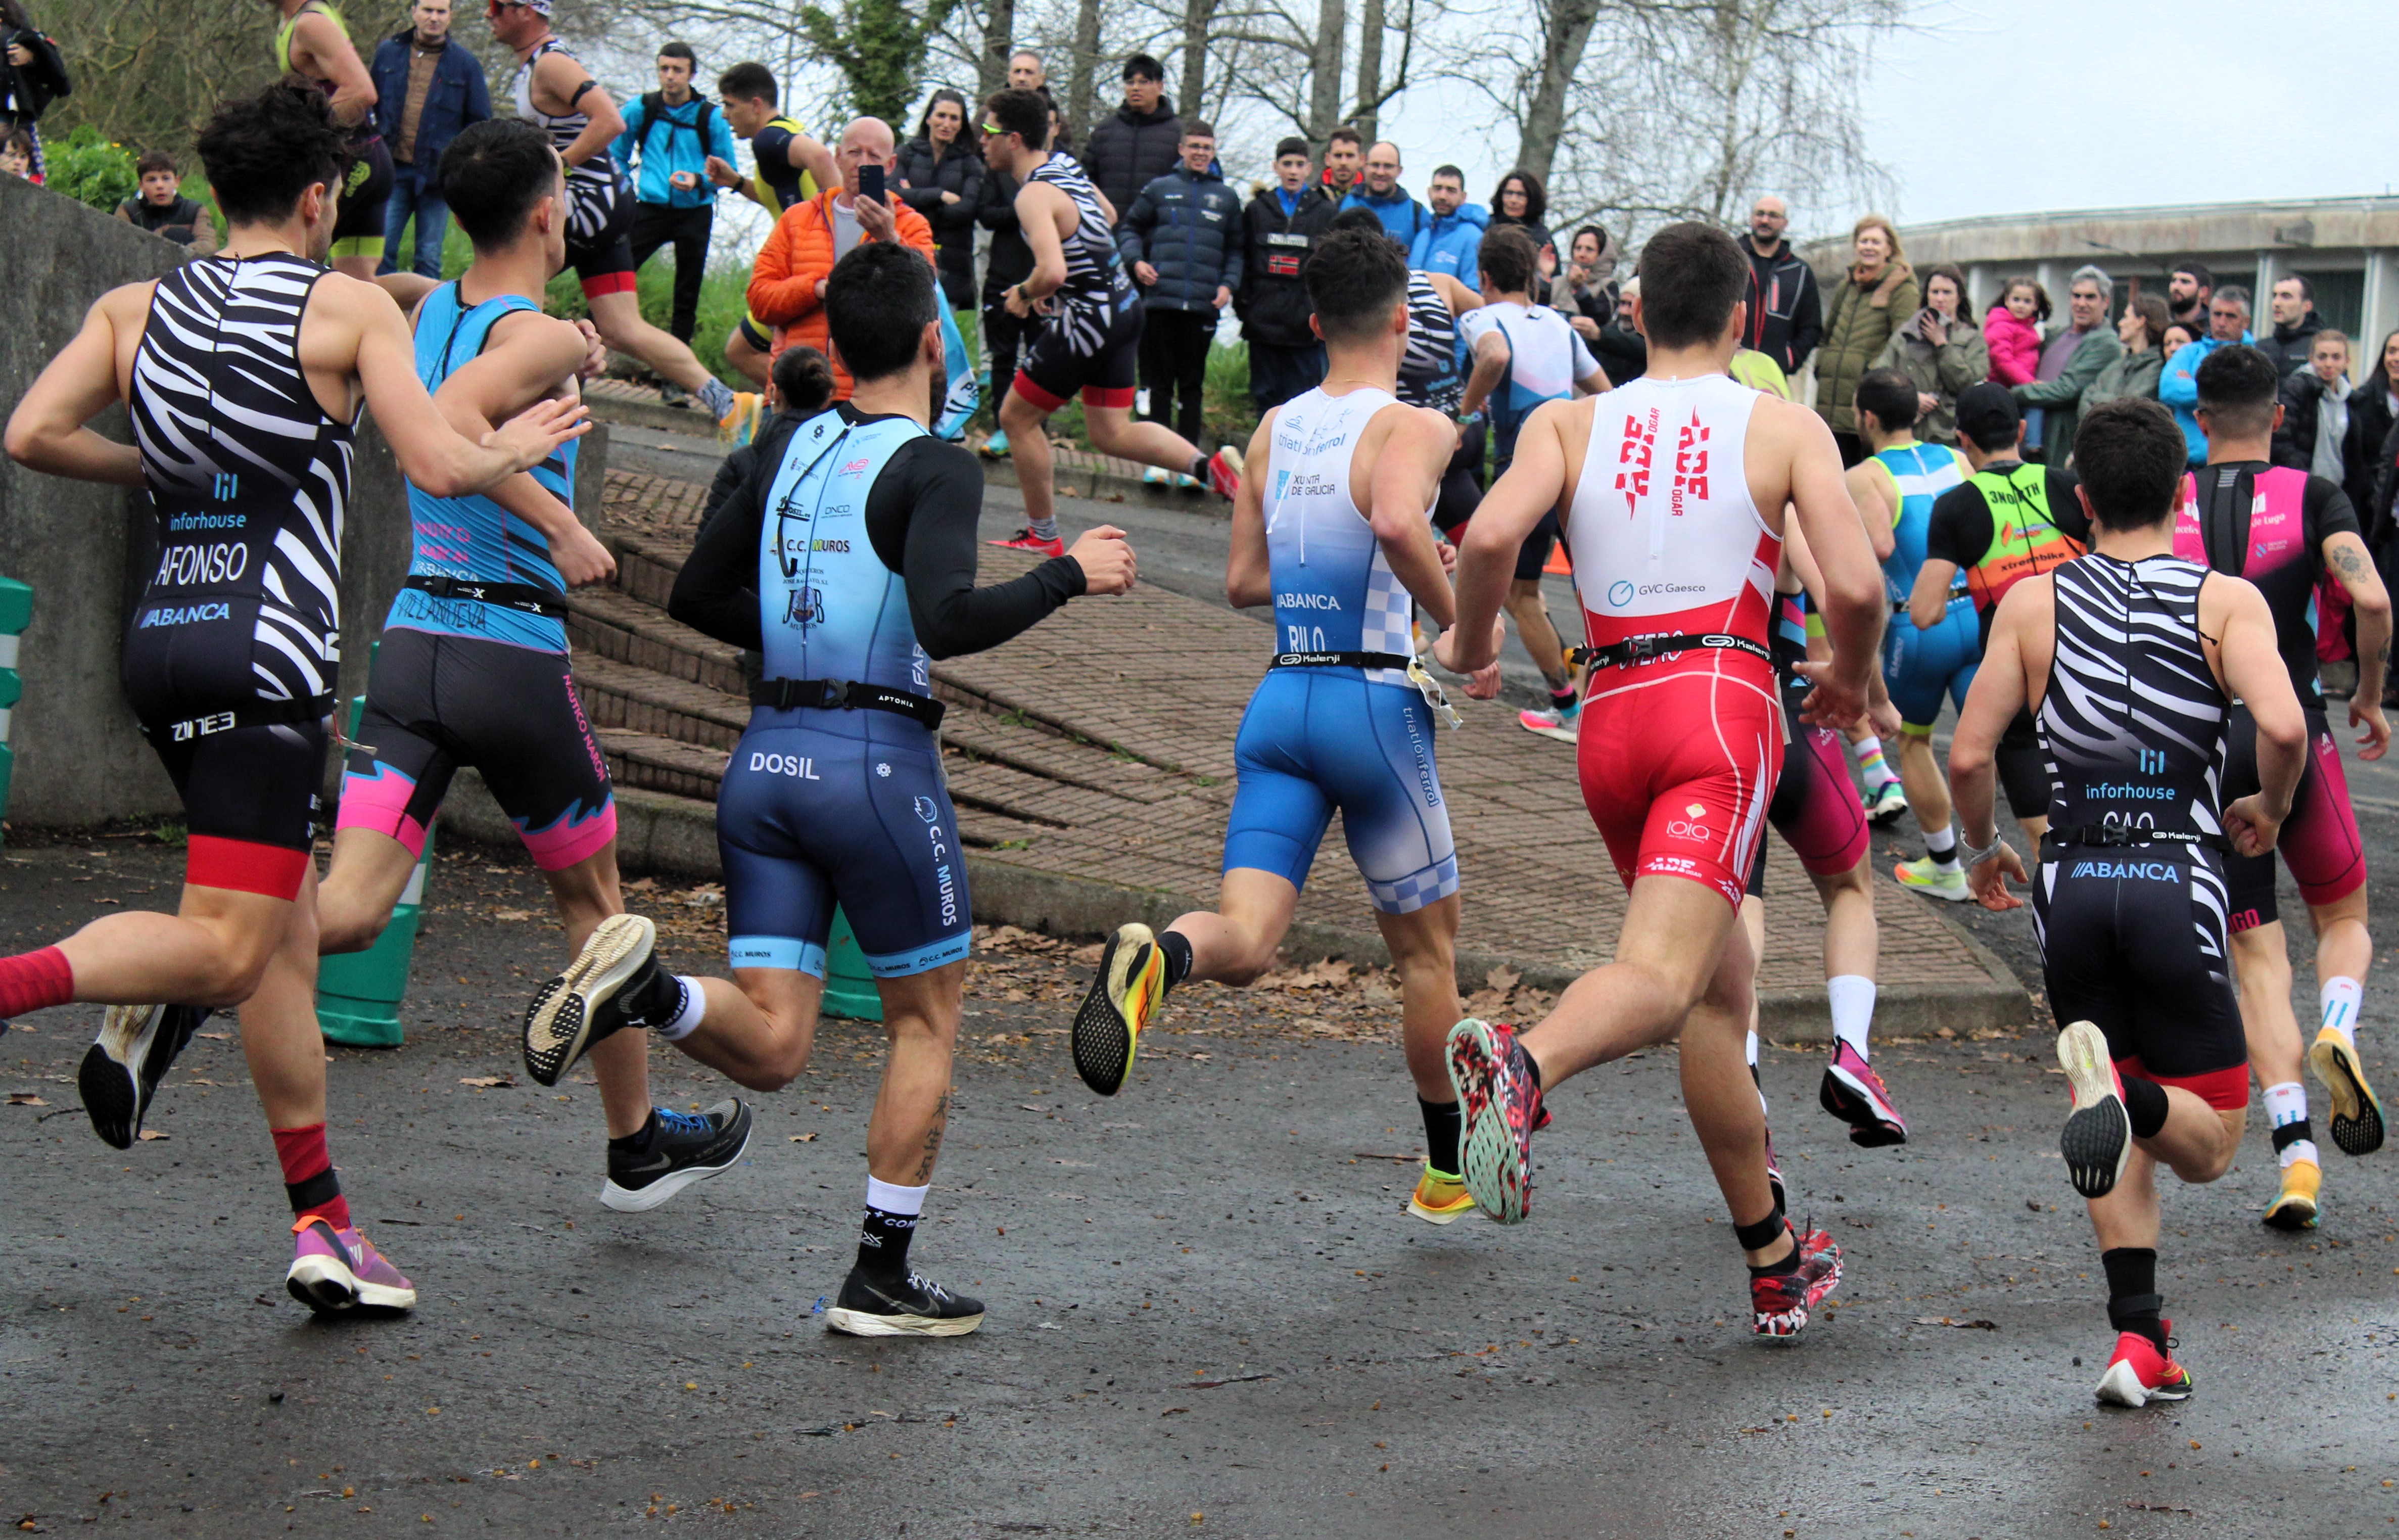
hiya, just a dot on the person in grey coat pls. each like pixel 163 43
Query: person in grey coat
pixel 1940 354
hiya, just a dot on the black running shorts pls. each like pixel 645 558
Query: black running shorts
pixel 1097 355
pixel 2023 770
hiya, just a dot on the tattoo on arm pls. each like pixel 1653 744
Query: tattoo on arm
pixel 2346 561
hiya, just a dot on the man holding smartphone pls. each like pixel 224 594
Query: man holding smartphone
pixel 669 135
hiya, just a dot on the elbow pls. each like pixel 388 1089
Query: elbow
pixel 21 440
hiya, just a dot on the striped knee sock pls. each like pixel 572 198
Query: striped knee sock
pixel 1870 763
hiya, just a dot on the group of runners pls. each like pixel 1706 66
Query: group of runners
pixel 2131 651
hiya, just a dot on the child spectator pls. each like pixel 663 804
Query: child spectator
pixel 2012 330
pixel 161 208
pixel 16 153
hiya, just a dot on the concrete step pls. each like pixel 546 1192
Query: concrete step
pixel 622 628
pixel 653 763
pixel 646 566
pixel 641 406
pixel 640 699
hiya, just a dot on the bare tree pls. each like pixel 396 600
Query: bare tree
pixel 1566 37
pixel 1083 65
pixel 1197 15
pixel 998 42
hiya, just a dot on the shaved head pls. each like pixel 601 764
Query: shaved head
pixel 871 136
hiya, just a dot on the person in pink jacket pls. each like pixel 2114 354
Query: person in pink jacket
pixel 2012 330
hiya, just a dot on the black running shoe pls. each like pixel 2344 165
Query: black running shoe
pixel 914 1307
pixel 123 1067
pixel 684 1148
pixel 582 1005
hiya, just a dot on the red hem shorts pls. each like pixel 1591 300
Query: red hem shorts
pixel 1678 759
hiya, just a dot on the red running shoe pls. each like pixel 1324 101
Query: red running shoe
pixel 2139 1373
pixel 1224 473
pixel 1853 1093
pixel 1024 539
pixel 1778 1302
pixel 1499 1091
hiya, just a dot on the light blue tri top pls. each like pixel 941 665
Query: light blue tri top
pixel 1920 472
pixel 829 608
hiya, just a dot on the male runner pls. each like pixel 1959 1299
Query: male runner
pixel 1895 487
pixel 849 559
pixel 243 399
pixel 1430 376
pixel 1092 340
pixel 791 168
pixel 1671 489
pixel 2129 901
pixel 2006 521
pixel 2286 530
pixel 1524 354
pixel 1332 532
pixel 312 40
pixel 556 94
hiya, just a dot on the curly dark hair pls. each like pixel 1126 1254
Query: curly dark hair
pixel 262 152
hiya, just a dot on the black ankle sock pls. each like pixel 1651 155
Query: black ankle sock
pixel 2291 1133
pixel 639 1139
pixel 1199 472
pixel 2132 1302
pixel 883 1242
pixel 2144 1103
pixel 1176 948
pixel 655 998
pixel 1564 699
pixel 1443 1121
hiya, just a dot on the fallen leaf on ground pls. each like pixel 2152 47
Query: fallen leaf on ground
pixel 25 1099
pixel 1962 1325
pixel 802 1138
pixel 512 914
pixel 149 1133
pixel 488 1081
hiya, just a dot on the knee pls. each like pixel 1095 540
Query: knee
pixel 234 974
pixel 2202 1169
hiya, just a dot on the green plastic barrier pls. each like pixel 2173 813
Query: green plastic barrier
pixel 359 993
pixel 16 614
pixel 849 983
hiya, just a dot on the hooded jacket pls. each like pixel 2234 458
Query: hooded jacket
pixel 1272 302
pixel 1447 242
pixel 1187 224
pixel 1863 319
pixel 1127 151
pixel 1786 310
pixel 2289 345
pixel 1940 372
pixel 1400 215
pixel 2178 387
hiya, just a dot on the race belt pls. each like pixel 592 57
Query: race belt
pixel 526 598
pixel 1637 650
pixel 847 695
pixel 2124 836
pixel 1340 660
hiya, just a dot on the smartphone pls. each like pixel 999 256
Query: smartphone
pixel 870 181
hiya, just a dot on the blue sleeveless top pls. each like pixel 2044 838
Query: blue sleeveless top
pixel 1920 472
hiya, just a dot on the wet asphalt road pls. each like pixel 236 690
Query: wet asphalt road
pixel 1208 1314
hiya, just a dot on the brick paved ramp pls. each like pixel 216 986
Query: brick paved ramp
pixel 1092 762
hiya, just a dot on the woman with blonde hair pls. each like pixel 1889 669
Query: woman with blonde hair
pixel 1878 297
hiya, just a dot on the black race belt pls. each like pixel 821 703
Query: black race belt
pixel 256 713
pixel 1340 660
pixel 1635 649
pixel 847 695
pixel 526 598
pixel 2117 837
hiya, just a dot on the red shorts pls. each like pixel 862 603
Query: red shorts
pixel 1678 759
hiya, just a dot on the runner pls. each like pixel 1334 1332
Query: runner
pixel 1525 354
pixel 314 41
pixel 2005 523
pixel 1092 340
pixel 1895 487
pixel 849 560
pixel 243 400
pixel 556 94
pixel 792 169
pixel 2129 903
pixel 1672 491
pixel 1344 716
pixel 2288 532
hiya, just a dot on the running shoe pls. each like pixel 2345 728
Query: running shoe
pixel 2295 1206
pixel 1778 1302
pixel 1024 539
pixel 1156 476
pixel 123 1067
pixel 1131 983
pixel 2139 1373
pixel 335 1270
pixel 1224 471
pixel 996 446
pixel 684 1148
pixel 1564 726
pixel 584 1005
pixel 1440 1197
pixel 2356 1111
pixel 740 426
pixel 1853 1093
pixel 1186 483
pixel 2098 1135
pixel 1885 803
pixel 1921 876
pixel 1500 1092
pixel 672 393
pixel 914 1307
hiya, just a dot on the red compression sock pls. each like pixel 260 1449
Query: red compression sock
pixel 308 1177
pixel 31 981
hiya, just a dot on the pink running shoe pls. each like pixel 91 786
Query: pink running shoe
pixel 1853 1093
pixel 1224 473
pixel 1780 1301
pixel 1500 1091
pixel 335 1270
pixel 2139 1373
pixel 1024 539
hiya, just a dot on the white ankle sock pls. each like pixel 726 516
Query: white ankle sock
pixel 2342 999
pixel 1852 999
pixel 894 1199
pixel 1941 844
pixel 695 1007
pixel 1762 1108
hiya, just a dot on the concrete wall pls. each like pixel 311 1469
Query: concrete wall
pixel 86 548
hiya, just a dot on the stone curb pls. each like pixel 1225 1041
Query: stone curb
pixel 676 837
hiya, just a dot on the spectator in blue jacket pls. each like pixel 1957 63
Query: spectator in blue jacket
pixel 668 136
pixel 1449 239
pixel 2228 325
pixel 1183 238
pixel 427 89
pixel 1379 191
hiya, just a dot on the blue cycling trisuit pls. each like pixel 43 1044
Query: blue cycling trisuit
pixel 1921 668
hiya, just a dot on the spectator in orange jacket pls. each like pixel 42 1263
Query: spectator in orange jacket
pixel 787 284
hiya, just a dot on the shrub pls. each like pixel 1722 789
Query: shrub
pixel 89 169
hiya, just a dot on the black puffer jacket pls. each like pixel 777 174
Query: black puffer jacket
pixel 1128 151
pixel 1188 227
pixel 924 176
pixel 1011 260
pixel 1272 302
